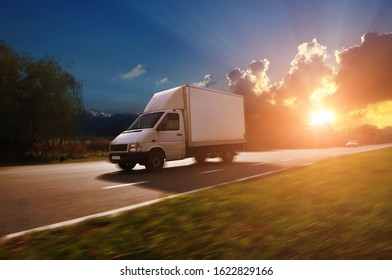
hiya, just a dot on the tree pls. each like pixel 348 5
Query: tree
pixel 365 134
pixel 38 100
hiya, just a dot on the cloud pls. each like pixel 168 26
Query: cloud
pixel 308 81
pixel 358 91
pixel 135 72
pixel 162 81
pixel 361 86
pixel 252 80
pixel 365 75
pixel 378 114
pixel 206 82
pixel 308 53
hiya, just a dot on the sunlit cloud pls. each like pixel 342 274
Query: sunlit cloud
pixel 208 80
pixel 309 79
pixel 308 53
pixel 378 114
pixel 254 79
pixel 135 72
pixel 327 88
pixel 361 87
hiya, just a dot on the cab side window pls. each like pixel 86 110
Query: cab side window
pixel 171 122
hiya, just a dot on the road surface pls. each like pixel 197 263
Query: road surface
pixel 35 196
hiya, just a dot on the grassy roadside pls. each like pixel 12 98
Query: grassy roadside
pixel 337 209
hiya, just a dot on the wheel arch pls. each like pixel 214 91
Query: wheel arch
pixel 158 149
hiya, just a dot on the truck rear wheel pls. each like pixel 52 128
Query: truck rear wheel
pixel 227 156
pixel 155 161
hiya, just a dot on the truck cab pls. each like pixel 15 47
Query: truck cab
pixel 150 140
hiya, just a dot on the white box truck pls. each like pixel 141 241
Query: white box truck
pixel 182 122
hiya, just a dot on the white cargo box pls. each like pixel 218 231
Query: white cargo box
pixel 211 117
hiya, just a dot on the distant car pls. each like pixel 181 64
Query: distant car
pixel 352 143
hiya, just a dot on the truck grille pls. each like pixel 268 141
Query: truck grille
pixel 119 148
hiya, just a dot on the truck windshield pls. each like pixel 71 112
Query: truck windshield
pixel 146 121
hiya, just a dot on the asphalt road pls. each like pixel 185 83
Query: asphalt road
pixel 35 196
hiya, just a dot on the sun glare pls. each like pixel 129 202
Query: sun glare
pixel 322 117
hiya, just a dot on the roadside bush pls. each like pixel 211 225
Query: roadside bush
pixel 58 149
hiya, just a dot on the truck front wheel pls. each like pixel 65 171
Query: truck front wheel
pixel 155 161
pixel 127 166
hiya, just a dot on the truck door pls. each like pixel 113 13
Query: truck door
pixel 171 135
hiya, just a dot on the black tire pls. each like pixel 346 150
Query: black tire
pixel 227 156
pixel 155 161
pixel 200 158
pixel 127 166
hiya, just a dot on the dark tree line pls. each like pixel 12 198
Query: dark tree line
pixel 38 100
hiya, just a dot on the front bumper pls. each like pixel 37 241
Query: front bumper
pixel 132 157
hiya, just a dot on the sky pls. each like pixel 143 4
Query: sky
pixel 124 51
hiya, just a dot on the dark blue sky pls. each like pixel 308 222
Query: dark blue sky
pixel 124 51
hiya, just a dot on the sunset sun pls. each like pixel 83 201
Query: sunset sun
pixel 322 117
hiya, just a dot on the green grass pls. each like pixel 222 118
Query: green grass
pixel 336 209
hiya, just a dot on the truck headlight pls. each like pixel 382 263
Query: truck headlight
pixel 135 147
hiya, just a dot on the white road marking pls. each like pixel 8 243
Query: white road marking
pixel 259 163
pixel 210 171
pixel 124 185
pixel 308 163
